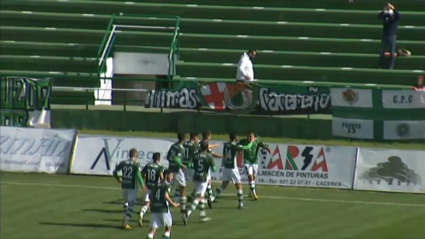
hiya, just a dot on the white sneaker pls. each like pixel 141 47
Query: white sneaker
pixel 205 219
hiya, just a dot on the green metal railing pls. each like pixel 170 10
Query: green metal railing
pixel 106 46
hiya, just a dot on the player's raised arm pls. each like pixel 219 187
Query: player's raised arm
pixel 265 146
pixel 247 146
pixel 215 155
pixel 115 172
pixel 213 167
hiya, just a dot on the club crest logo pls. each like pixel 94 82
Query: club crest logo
pixel 350 96
pixel 239 96
pixel 403 130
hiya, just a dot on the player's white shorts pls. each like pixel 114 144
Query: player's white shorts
pixel 201 188
pixel 231 174
pixel 251 169
pixel 189 174
pixel 157 219
pixel 179 179
pixel 148 193
pixel 129 195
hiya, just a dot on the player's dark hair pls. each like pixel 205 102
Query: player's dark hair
pixel 156 156
pixel 132 153
pixel 193 135
pixel 206 134
pixel 204 145
pixel 181 136
pixel 252 51
pixel 167 172
pixel 232 136
pixel 251 132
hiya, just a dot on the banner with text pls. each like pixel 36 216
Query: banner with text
pixel 98 155
pixel 352 128
pixel 304 166
pixel 35 150
pixel 239 97
pixel 287 165
pixel 390 170
pixel 403 99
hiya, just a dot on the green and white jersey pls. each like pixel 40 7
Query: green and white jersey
pixel 250 155
pixel 230 153
pixel 176 150
pixel 202 164
pixel 191 149
pixel 159 203
pixel 152 172
pixel 129 170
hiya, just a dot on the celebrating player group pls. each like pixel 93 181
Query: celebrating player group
pixel 191 160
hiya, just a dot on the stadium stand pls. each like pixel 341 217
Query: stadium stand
pixel 329 40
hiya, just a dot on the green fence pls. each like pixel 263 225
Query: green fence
pixel 128 23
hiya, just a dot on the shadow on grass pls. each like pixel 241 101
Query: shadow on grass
pixel 146 222
pixel 103 210
pixel 120 220
pixel 86 225
pixel 121 202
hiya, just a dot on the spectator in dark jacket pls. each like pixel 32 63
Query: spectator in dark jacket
pixel 390 17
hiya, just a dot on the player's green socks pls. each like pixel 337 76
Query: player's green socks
pixel 193 194
pixel 183 201
pixel 166 235
pixel 252 187
pixel 193 207
pixel 143 211
pixel 209 190
pixel 202 207
pixel 217 193
pixel 240 197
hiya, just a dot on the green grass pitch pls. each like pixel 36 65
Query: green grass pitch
pixel 71 207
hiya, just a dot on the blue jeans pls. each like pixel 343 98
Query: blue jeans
pixel 388 41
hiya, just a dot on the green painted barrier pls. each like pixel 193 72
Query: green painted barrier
pixel 191 121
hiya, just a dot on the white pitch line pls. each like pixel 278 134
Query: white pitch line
pixel 225 194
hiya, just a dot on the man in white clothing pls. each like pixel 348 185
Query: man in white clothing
pixel 245 71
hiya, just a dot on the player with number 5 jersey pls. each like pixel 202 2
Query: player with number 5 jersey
pixel 131 177
pixel 153 174
pixel 203 163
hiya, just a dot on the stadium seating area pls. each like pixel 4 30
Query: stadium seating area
pixel 327 40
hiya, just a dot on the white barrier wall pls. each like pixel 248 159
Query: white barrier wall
pixel 35 150
pixel 390 170
pixel 50 151
pixel 288 165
